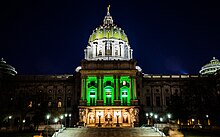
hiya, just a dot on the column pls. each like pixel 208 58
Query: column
pixel 115 90
pixel 131 87
pixel 128 52
pixel 119 88
pixel 99 88
pixel 85 85
pixel 82 88
pixel 102 85
pixel 134 88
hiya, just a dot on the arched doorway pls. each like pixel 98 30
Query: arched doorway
pixel 91 118
pixel 126 119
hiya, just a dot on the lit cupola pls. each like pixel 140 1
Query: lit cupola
pixel 6 69
pixel 211 67
pixel 108 42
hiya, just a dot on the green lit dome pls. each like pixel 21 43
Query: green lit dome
pixel 109 31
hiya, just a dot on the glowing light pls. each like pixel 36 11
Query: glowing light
pixel 161 119
pixel 56 120
pixel 9 117
pixel 48 116
pixel 155 116
pixel 147 114
pixel 169 116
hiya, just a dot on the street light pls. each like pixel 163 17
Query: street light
pixel 117 115
pixel 23 121
pixel 193 121
pixel 99 114
pixel 151 118
pixel 147 116
pixel 48 117
pixel 156 116
pixel 70 119
pixel 61 117
pixel 55 120
pixel 208 121
pixel 169 117
pixel 9 120
pixel 65 118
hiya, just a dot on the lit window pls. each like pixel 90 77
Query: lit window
pixel 124 83
pixel 59 104
pixel 30 104
pixel 49 104
pixel 108 94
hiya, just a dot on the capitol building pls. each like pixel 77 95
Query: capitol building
pixel 108 89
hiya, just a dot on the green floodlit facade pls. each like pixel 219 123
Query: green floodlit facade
pixel 94 87
pixel 108 79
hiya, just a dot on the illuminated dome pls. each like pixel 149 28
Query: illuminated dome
pixel 108 42
pixel 211 67
pixel 6 69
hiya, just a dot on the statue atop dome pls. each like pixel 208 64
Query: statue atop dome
pixel 108 18
pixel 108 10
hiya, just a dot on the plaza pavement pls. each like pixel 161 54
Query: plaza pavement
pixel 109 132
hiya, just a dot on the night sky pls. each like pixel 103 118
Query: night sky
pixel 167 37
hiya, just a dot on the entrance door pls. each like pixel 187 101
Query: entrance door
pixel 108 119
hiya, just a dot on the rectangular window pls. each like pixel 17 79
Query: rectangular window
pixel 167 101
pixel 68 102
pixel 158 101
pixel 92 83
pixel 148 101
pixel 49 104
pixel 59 103
pixel 108 83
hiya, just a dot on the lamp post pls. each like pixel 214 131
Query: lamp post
pixel 23 121
pixel 9 121
pixel 99 115
pixel 156 116
pixel 61 117
pixel 208 121
pixel 117 115
pixel 193 121
pixel 147 117
pixel 48 117
pixel 151 118
pixel 169 117
pixel 70 119
pixel 56 120
pixel 65 118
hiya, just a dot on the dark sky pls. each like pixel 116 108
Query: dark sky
pixel 167 37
